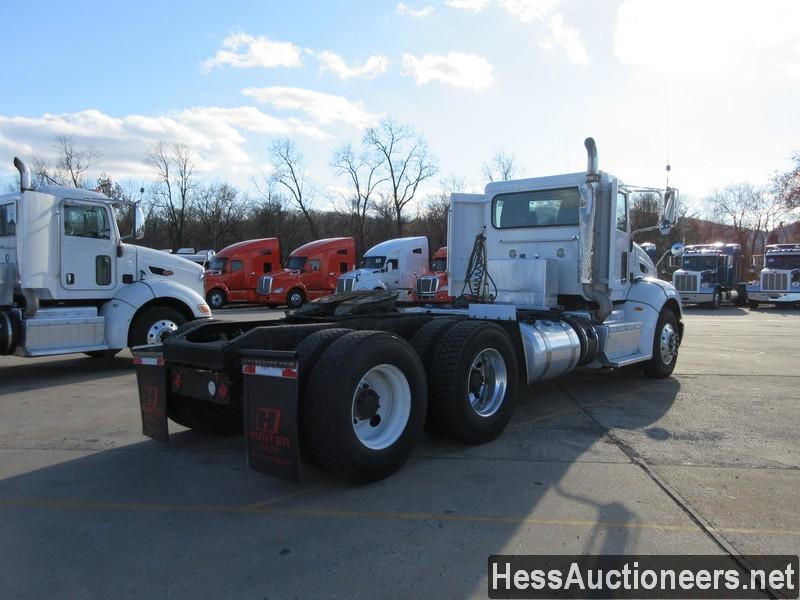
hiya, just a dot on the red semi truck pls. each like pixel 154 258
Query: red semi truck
pixel 432 287
pixel 309 273
pixel 233 273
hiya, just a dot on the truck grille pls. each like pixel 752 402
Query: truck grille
pixel 344 284
pixel 685 282
pixel 264 285
pixel 426 286
pixel 778 282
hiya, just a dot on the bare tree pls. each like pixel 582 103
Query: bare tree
pixel 173 191
pixel 437 208
pixel 290 173
pixel 787 185
pixel 71 166
pixel 502 167
pixel 270 216
pixel 220 211
pixel 750 210
pixel 406 163
pixel 363 170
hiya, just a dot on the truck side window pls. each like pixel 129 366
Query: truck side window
pixel 393 264
pixel 267 267
pixel 8 219
pixel 622 212
pixel 343 268
pixel 315 265
pixel 86 222
pixel 236 265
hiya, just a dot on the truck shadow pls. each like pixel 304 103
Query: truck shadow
pixel 43 373
pixel 192 512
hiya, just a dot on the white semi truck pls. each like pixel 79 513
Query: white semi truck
pixel 391 265
pixel 779 280
pixel 548 279
pixel 69 283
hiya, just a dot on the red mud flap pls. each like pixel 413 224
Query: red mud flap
pixel 151 376
pixel 272 441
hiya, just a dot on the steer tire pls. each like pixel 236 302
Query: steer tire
pixel 141 325
pixel 295 298
pixel 216 298
pixel 329 400
pixel 657 367
pixel 716 299
pixel 450 377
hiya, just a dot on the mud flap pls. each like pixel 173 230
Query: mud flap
pixel 151 377
pixel 270 386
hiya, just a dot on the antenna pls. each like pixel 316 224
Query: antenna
pixel 666 128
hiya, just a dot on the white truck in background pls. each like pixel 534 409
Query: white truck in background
pixel 392 265
pixel 69 283
pixel 779 279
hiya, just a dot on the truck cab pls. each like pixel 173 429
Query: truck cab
pixel 709 274
pixel 69 282
pixel 391 265
pixel 310 272
pixel 233 273
pixel 779 280
pixel 432 288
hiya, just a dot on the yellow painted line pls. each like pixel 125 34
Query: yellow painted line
pixel 258 505
pixel 393 516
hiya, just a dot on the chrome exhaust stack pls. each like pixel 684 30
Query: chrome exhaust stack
pixel 592 162
pixel 25 177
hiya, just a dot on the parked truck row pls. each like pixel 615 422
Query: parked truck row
pixel 545 277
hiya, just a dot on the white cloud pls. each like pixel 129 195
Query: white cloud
pixel 418 13
pixel 457 69
pixel 688 37
pixel 244 50
pixel 791 70
pixel 218 135
pixel 530 10
pixel 472 5
pixel 567 38
pixel 324 108
pixel 374 66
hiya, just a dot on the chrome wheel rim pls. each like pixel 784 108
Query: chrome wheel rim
pixel 295 299
pixel 668 344
pixel 157 330
pixel 216 300
pixel 381 407
pixel 487 380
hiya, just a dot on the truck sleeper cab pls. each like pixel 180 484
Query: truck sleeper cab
pixel 432 288
pixel 69 283
pixel 352 378
pixel 779 280
pixel 233 273
pixel 310 272
pixel 709 274
pixel 391 265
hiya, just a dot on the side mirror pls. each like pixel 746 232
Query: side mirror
pixel 676 249
pixel 670 207
pixel 138 222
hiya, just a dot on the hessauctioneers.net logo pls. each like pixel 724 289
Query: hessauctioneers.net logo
pixel 660 576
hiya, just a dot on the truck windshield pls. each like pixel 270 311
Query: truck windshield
pixel 296 263
pixel 373 262
pixel 439 264
pixel 783 262
pixel 536 208
pixel 699 263
pixel 218 263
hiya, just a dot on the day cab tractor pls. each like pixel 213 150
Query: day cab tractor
pixel 709 274
pixel 432 288
pixel 69 283
pixel 233 273
pixel 779 280
pixel 393 265
pixel 310 272
pixel 548 280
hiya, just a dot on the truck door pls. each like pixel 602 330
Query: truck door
pixel 313 276
pixel 235 269
pixel 620 272
pixel 88 248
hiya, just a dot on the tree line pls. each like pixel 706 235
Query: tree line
pixel 382 175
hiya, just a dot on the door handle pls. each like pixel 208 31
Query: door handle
pixel 70 278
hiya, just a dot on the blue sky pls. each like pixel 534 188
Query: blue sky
pixel 716 82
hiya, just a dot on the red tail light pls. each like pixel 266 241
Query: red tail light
pixel 177 381
pixel 222 391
